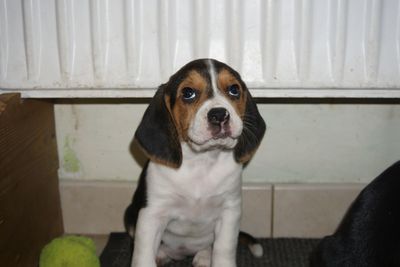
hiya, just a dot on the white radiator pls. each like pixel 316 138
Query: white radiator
pixel 126 48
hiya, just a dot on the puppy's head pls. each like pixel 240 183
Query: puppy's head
pixel 205 104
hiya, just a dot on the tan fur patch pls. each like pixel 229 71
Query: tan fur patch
pixel 183 113
pixel 224 80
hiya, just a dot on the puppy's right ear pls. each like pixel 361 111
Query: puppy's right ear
pixel 157 135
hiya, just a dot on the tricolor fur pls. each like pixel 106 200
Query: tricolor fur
pixel 198 131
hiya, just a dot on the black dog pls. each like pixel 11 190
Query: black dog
pixel 369 234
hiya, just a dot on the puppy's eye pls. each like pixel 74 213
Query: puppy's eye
pixel 188 93
pixel 233 90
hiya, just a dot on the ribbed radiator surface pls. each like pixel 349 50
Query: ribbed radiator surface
pixel 284 48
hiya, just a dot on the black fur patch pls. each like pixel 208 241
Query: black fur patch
pixel 139 201
pixel 157 134
pixel 369 234
pixel 253 131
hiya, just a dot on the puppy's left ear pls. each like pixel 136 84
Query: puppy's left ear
pixel 157 134
pixel 252 134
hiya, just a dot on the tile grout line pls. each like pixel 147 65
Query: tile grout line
pixel 272 210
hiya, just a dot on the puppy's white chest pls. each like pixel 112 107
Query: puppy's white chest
pixel 196 217
pixel 201 179
pixel 194 196
pixel 195 212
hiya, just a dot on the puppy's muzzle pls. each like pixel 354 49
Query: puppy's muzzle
pixel 218 120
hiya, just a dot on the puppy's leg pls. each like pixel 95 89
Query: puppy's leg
pixel 226 236
pixel 162 258
pixel 149 229
pixel 202 258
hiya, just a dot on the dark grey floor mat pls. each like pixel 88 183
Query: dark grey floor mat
pixel 281 252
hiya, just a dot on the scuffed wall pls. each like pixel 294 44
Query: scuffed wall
pixel 305 142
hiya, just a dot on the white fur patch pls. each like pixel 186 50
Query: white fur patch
pixel 202 258
pixel 213 76
pixel 257 250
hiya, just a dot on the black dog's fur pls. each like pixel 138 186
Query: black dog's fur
pixel 369 234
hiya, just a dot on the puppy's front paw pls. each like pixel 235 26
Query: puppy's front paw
pixel 162 258
pixel 202 258
pixel 223 262
pixel 140 263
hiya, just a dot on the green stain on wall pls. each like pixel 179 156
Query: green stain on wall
pixel 70 160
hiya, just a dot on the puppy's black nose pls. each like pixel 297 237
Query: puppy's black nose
pixel 216 116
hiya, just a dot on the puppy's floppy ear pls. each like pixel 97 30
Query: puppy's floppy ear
pixel 157 134
pixel 252 134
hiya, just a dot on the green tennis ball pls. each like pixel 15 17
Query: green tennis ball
pixel 69 251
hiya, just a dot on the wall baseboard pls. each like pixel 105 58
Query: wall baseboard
pixel 281 210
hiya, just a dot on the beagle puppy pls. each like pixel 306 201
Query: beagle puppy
pixel 369 235
pixel 198 131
